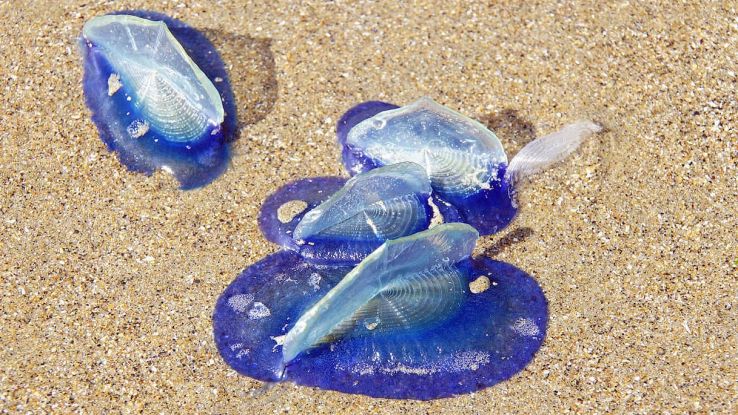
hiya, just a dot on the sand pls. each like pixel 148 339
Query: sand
pixel 109 278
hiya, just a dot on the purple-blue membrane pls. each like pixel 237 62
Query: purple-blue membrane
pixel 356 163
pixel 194 164
pixel 488 210
pixel 492 336
pixel 305 195
pixel 371 208
pixel 310 193
pixel 350 249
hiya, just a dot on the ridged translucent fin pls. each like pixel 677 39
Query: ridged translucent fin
pixel 459 154
pixel 176 98
pixel 385 203
pixel 547 150
pixel 402 265
pixel 456 172
pixel 418 299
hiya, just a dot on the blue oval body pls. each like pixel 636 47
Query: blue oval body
pixel 492 336
pixel 465 160
pixel 136 114
pixel 309 193
pixel 370 208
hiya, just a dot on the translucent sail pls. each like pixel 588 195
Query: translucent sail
pixel 382 204
pixel 460 155
pixel 420 265
pixel 545 151
pixel 172 94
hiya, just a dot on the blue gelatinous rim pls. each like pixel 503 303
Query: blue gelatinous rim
pixel 493 336
pixel 357 114
pixel 194 164
pixel 488 210
pixel 355 163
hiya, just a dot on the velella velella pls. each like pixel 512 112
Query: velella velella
pixel 471 181
pixel 418 319
pixel 159 95
pixel 407 283
pixel 370 208
pixel 467 165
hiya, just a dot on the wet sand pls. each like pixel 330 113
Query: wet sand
pixel 109 278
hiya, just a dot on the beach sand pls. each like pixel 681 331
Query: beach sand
pixel 109 278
